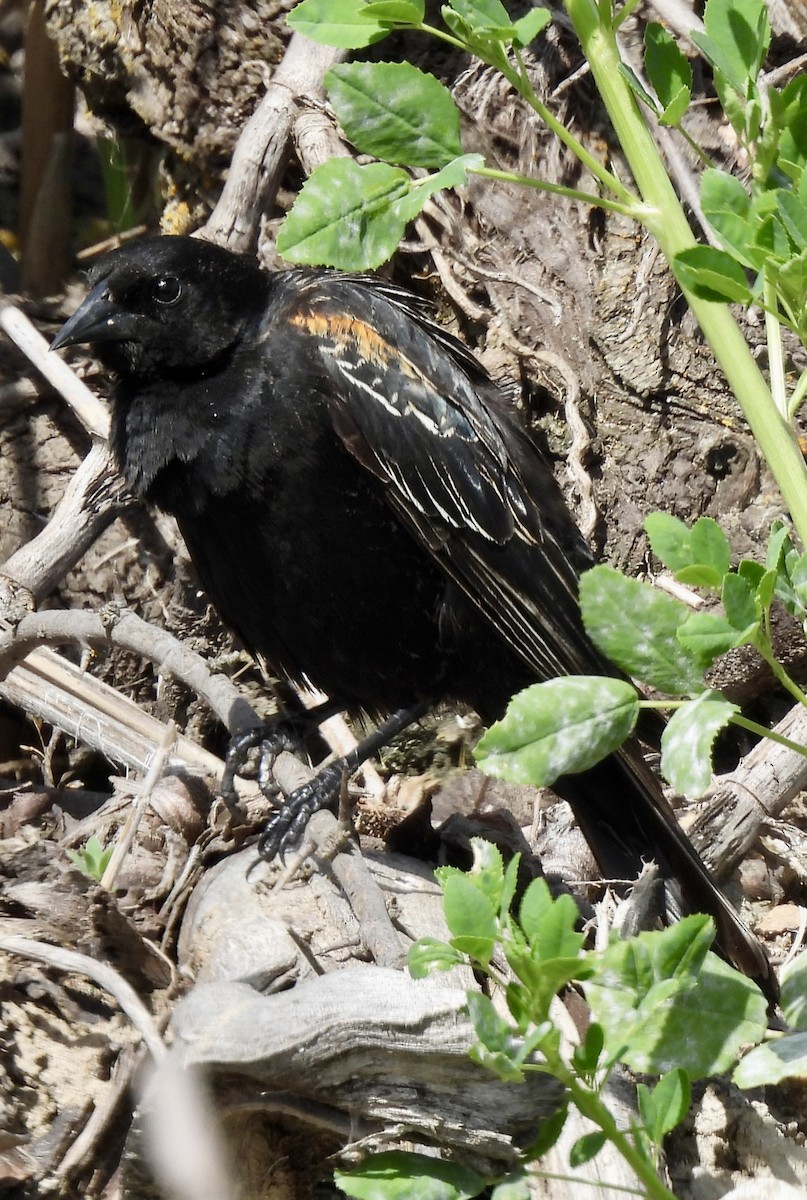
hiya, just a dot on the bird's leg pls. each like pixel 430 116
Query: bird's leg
pixel 283 733
pixel 285 827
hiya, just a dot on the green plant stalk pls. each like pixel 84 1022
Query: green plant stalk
pixel 558 189
pixel 625 11
pixel 520 81
pixel 665 219
pixel 591 1106
pixel 798 395
pixel 770 734
pixel 522 85
pixel 776 359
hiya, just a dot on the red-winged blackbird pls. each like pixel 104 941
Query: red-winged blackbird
pixel 362 508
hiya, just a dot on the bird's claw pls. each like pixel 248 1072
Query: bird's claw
pixel 270 741
pixel 285 827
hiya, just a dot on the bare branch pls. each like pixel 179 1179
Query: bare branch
pixel 262 150
pixel 102 974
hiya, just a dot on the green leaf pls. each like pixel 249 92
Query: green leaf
pixel 708 635
pixel 542 979
pixel 792 157
pixel 764 588
pixel 397 1175
pixel 499 1064
pixel 492 1030
pixel 778 545
pixel 797 572
pixel 586 1148
pixel 794 992
pixel 396 12
pixel 737 37
pixel 429 954
pixel 664 1106
pixel 669 72
pixel 487 874
pixel 482 16
pixel 698 576
pixel 454 175
pixel 550 923
pixel 586 1058
pixel 711 274
pixel 727 207
pixel 792 279
pixel 468 911
pixel 686 744
pixel 739 602
pixel 669 540
pixel 664 1003
pixel 793 212
pixel 344 216
pixel 710 546
pixel 637 87
pixel 340 23
pixel 676 109
pixel 514 1187
pixel 396 112
pixel 753 573
pixel 635 625
pixel 92 859
pixel 558 728
pixel 700 556
pixel 773 1062
pixel 530 25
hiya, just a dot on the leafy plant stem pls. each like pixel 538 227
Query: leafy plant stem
pixel 592 1183
pixel 557 189
pixel 776 361
pixel 520 81
pixel 771 734
pixel 590 1105
pixel 694 147
pixel 782 676
pixel 435 31
pixel 665 219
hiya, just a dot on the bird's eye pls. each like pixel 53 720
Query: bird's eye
pixel 166 289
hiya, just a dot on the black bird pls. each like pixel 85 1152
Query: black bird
pixel 362 507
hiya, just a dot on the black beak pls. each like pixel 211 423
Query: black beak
pixel 98 319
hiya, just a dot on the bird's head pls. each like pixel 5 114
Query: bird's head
pixel 166 306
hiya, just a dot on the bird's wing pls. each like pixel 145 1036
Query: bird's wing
pixel 415 409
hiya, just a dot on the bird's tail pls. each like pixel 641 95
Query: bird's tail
pixel 624 817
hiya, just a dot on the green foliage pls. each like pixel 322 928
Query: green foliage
pixel 646 647
pixel 396 111
pixel 565 725
pixel 353 217
pixel 395 1175
pixel 785 1055
pixel 670 73
pixel 92 860
pixel 556 727
pixel 661 1003
pixel 664 1002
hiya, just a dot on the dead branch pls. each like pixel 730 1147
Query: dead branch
pixel 102 974
pixel 261 153
pixel 766 780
